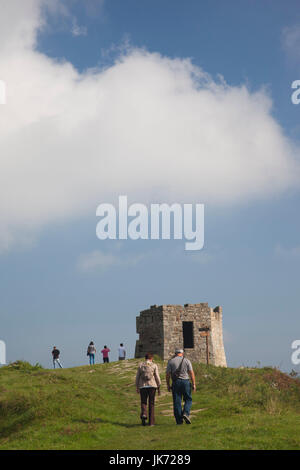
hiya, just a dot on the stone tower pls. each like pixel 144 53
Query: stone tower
pixel 196 328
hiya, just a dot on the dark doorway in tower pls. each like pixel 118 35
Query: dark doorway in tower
pixel 188 334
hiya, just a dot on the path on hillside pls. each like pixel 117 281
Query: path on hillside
pixel 163 402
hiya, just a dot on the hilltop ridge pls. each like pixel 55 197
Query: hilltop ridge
pixel 97 407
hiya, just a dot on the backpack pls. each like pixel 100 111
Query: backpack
pixel 147 372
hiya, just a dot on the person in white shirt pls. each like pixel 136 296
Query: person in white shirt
pixel 122 352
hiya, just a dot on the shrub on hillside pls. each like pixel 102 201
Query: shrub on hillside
pixel 24 366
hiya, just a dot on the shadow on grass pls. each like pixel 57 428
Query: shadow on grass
pixel 107 421
pixel 7 430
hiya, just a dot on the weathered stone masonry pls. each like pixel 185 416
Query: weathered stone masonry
pixel 163 328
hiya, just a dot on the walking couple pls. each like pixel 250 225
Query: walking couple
pixel 148 381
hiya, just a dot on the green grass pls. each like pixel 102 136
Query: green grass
pixel 97 408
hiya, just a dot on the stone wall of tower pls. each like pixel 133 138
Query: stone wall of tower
pixel 218 351
pixel 149 326
pixel 173 316
pixel 160 332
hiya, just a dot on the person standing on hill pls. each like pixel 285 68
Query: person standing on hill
pixel 181 371
pixel 105 352
pixel 91 351
pixel 55 357
pixel 147 381
pixel 122 352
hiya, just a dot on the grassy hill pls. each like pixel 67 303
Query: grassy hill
pixel 97 408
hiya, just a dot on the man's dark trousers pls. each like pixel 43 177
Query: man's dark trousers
pixel 181 389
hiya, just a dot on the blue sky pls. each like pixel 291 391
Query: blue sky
pixel 250 261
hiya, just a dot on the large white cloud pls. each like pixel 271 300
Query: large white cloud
pixel 154 128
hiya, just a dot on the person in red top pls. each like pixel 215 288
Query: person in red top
pixel 105 352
